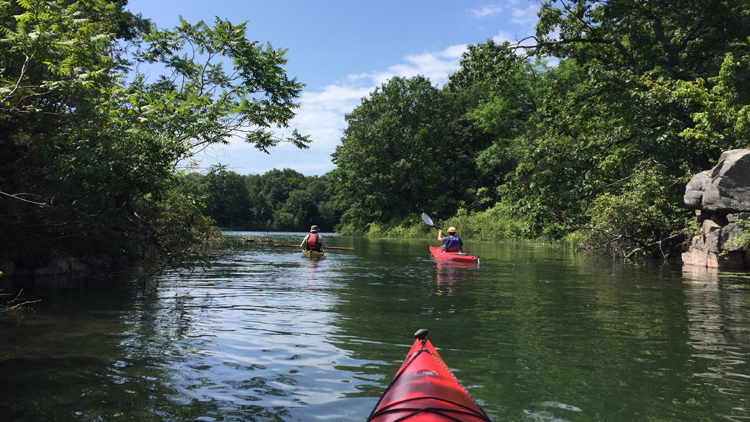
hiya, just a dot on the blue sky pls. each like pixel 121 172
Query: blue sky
pixel 343 50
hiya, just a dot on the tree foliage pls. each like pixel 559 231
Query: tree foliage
pixel 407 148
pixel 636 57
pixel 381 163
pixel 98 107
pixel 598 145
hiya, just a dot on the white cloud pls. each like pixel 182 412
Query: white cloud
pixel 434 65
pixel 525 16
pixel 454 51
pixel 321 115
pixel 485 11
pixel 503 36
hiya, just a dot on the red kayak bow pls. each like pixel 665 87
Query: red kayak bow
pixel 425 389
pixel 438 252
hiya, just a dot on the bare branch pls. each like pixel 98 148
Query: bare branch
pixel 15 196
pixel 657 243
pixel 638 241
pixel 20 292
pixel 21 305
pixel 20 77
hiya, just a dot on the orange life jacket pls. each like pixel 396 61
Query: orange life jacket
pixel 312 242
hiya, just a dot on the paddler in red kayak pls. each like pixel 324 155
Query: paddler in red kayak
pixel 313 241
pixel 451 243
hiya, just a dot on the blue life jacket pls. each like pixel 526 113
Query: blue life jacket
pixel 453 245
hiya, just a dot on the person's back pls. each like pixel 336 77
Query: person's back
pixel 313 241
pixel 451 243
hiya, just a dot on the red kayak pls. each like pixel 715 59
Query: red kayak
pixel 438 252
pixel 424 389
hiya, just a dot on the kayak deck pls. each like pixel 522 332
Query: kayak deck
pixel 312 254
pixel 438 252
pixel 425 389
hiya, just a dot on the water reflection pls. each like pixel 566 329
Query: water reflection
pixel 249 339
pixel 450 275
pixel 717 317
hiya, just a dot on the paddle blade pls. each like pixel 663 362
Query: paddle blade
pixel 426 218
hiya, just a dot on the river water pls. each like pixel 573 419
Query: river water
pixel 535 333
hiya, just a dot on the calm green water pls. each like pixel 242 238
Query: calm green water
pixel 534 333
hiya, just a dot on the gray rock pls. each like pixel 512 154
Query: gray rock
pixel 728 261
pixel 709 226
pixel 717 217
pixel 708 242
pixel 734 260
pixel 722 196
pixel 695 257
pixel 729 238
pixel 694 191
pixel 712 241
pixel 728 190
pixel 741 216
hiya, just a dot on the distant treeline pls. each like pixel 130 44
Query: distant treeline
pixel 279 200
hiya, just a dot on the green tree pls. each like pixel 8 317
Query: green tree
pixel 268 194
pixel 90 145
pixel 609 130
pixel 390 162
pixel 510 91
pixel 228 202
pixel 724 100
pixel 636 56
pixel 302 205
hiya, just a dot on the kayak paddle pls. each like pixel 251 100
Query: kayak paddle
pixel 426 218
pixel 327 247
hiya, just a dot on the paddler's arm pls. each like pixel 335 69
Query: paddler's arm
pixel 440 235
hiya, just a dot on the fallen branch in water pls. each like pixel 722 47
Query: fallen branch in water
pixel 17 296
pixel 615 236
pixel 658 242
pixel 19 305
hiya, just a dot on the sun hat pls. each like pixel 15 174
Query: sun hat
pixel 314 229
pixel 451 229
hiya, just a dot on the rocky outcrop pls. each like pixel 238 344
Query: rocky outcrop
pixel 720 196
pixel 717 247
pixel 725 188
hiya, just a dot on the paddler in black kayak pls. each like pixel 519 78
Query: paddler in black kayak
pixel 313 241
pixel 451 243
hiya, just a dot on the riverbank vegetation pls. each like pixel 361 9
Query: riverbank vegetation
pixel 98 110
pixel 587 132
